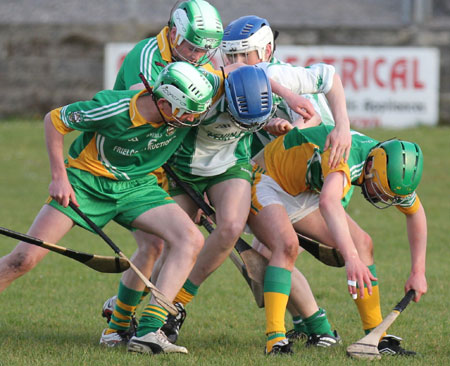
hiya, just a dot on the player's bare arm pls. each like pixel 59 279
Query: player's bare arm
pixel 312 122
pixel 296 102
pixel 417 235
pixel 334 214
pixel 339 140
pixel 279 126
pixel 59 188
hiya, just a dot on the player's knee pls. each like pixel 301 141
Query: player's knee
pixel 194 243
pixel 290 248
pixel 230 230
pixel 365 245
pixel 151 251
pixel 149 246
pixel 155 248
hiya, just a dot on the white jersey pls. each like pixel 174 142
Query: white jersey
pixel 312 82
pixel 215 146
pixel 317 78
pixel 218 144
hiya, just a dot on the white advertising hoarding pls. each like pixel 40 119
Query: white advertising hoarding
pixel 114 55
pixel 385 86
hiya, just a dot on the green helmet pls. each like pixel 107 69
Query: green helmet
pixel 186 88
pixel 197 22
pixel 396 170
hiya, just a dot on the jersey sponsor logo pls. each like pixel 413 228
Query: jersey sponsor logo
pixel 75 117
pixel 155 135
pixel 124 151
pixel 223 126
pixel 153 144
pixel 224 136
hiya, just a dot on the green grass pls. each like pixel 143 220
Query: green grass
pixel 51 316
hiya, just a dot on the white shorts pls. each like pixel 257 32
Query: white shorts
pixel 267 192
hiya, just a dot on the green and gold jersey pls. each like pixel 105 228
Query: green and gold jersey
pixel 196 155
pixel 297 162
pixel 149 57
pixel 116 141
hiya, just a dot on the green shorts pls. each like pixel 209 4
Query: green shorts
pixel 103 199
pixel 202 184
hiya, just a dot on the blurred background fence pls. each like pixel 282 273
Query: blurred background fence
pixel 52 52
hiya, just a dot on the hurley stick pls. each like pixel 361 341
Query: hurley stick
pixel 159 296
pixel 254 262
pixel 325 254
pixel 367 347
pixel 97 262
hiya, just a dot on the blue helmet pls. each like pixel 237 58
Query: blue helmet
pixel 249 97
pixel 247 33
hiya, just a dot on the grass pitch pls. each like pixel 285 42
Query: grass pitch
pixel 51 316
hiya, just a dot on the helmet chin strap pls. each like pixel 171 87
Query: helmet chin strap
pixel 150 91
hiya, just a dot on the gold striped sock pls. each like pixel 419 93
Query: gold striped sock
pixel 183 297
pixel 121 316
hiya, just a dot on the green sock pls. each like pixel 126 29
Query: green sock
pixel 299 325
pixel 318 323
pixel 127 300
pixel 153 318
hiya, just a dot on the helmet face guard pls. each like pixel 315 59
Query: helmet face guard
pixel 374 192
pixel 187 90
pixel 393 171
pixel 194 55
pixel 246 34
pixel 187 106
pixel 249 98
pixel 199 24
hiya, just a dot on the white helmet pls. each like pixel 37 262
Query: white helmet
pixel 248 33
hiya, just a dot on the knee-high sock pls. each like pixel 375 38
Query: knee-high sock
pixel 369 307
pixel 127 300
pixel 277 286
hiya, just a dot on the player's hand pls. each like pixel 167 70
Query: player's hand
pixel 199 215
pixel 358 274
pixel 418 283
pixel 278 126
pixel 300 105
pixel 340 142
pixel 301 123
pixel 62 192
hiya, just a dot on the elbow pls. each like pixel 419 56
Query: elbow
pixel 325 204
pixel 48 119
